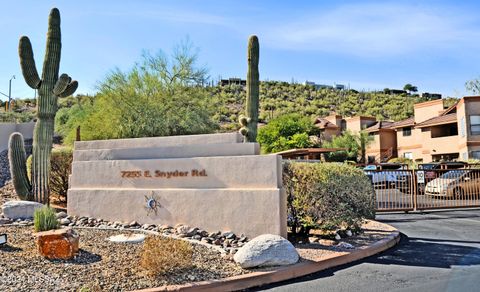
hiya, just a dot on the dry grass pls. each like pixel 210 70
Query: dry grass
pixel 163 255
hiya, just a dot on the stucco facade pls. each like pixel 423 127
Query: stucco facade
pixel 437 133
pixel 434 133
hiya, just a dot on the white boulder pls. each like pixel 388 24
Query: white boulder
pixel 20 209
pixel 266 250
pixel 127 238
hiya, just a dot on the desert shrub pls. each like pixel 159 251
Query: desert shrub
pixel 402 160
pixel 45 219
pixel 327 196
pixel 60 170
pixel 161 255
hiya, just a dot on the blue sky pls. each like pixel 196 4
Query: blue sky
pixel 367 44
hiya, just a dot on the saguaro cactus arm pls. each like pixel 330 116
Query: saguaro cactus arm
pixel 65 86
pixel 61 84
pixel 70 89
pixel 27 63
pixel 18 168
pixel 249 123
pixel 51 63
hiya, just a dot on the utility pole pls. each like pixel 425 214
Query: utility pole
pixel 10 92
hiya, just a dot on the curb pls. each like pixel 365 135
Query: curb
pixel 285 273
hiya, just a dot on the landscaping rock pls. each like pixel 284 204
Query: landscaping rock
pixel 344 245
pixel 127 238
pixel 5 221
pixel 327 242
pixel 266 250
pixel 64 221
pixel 20 209
pixel 57 244
pixel 61 215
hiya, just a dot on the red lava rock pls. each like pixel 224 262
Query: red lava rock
pixel 57 244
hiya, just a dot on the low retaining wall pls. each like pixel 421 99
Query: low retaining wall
pixel 6 129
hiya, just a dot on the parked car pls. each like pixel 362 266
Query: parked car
pixel 429 171
pixel 385 174
pixel 433 170
pixel 454 184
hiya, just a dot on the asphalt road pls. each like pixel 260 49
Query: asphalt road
pixel 439 251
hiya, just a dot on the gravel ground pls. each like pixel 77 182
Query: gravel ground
pixel 7 193
pixel 371 232
pixel 4 168
pixel 100 265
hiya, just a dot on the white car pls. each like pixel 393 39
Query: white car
pixel 455 184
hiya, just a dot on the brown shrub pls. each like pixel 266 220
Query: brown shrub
pixel 60 170
pixel 162 255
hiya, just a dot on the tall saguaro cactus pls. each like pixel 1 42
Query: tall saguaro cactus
pixel 50 87
pixel 250 120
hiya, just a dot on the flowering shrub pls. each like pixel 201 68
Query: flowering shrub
pixel 327 196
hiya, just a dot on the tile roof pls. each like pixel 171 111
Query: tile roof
pixel 440 120
pixel 451 108
pixel 379 125
pixel 324 124
pixel 403 123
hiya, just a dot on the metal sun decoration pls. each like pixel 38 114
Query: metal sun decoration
pixel 152 204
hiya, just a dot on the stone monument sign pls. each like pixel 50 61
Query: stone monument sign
pixel 214 182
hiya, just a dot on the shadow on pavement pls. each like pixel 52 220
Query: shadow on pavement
pixel 419 252
pixel 427 217
pixel 425 252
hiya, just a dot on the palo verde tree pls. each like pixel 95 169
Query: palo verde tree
pixel 161 95
pixel 50 87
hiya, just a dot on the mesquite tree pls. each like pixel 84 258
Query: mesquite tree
pixel 50 87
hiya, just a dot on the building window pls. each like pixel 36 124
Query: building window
pixel 475 154
pixel 407 131
pixel 408 155
pixel 462 126
pixel 475 124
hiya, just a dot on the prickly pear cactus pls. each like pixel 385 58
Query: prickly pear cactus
pixel 50 87
pixel 250 120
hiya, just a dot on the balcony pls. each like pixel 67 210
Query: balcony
pixel 439 145
pixel 448 130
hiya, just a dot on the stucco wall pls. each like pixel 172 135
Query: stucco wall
pixel 426 110
pixel 26 129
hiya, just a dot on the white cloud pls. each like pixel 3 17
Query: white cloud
pixel 376 30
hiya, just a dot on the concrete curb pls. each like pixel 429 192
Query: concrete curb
pixel 285 273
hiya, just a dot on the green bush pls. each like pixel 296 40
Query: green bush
pixel 45 219
pixel 402 160
pixel 287 132
pixel 60 170
pixel 327 196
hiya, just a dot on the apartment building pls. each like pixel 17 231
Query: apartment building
pixel 434 133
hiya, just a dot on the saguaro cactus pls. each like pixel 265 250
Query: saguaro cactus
pixel 250 120
pixel 50 87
